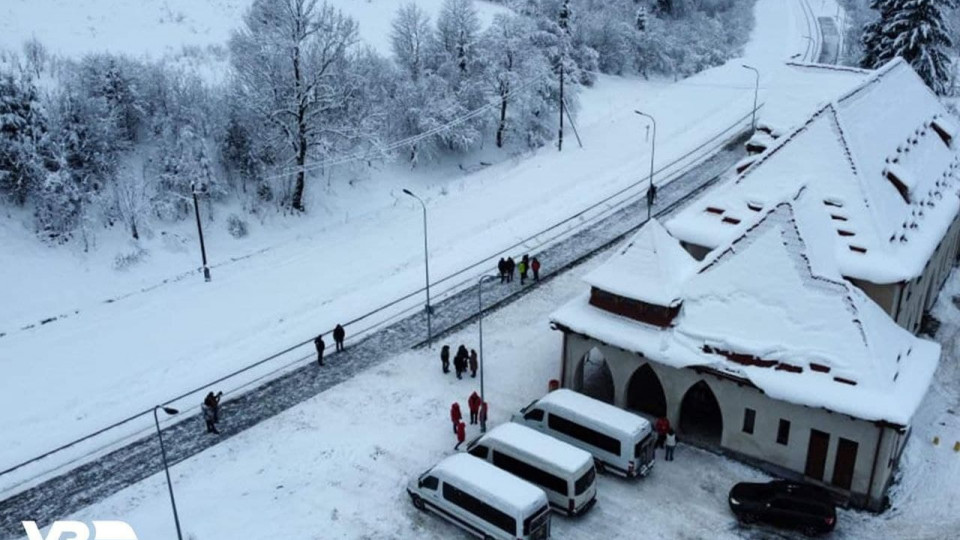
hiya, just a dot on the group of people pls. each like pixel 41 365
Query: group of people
pixel 461 362
pixel 211 411
pixel 508 267
pixel 339 334
pixel 478 415
pixel 666 437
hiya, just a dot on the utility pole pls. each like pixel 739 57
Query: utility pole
pixel 563 18
pixel 756 90
pixel 163 452
pixel 426 264
pixel 560 138
pixel 483 399
pixel 203 249
pixel 652 189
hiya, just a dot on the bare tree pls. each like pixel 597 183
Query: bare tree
pixel 36 55
pixel 289 59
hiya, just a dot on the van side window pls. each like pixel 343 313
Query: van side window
pixel 479 451
pixel 536 415
pixel 530 473
pixel 585 434
pixel 479 508
pixel 430 482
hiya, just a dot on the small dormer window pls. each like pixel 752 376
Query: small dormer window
pixel 945 133
pixel 899 185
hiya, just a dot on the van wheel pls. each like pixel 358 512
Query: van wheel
pixel 418 503
pixel 601 468
pixel 748 518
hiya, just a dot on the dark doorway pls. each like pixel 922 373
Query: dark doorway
pixel 817 454
pixel 700 418
pixel 845 463
pixel 597 379
pixel 645 393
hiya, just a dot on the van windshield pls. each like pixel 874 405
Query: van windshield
pixel 585 481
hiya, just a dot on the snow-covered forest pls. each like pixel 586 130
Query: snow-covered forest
pixel 109 140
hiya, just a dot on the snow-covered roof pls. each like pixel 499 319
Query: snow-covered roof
pixel 803 88
pixel 884 178
pixel 773 309
pixel 565 456
pixel 498 486
pixel 628 424
pixel 650 268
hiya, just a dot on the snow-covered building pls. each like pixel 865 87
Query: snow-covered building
pixel 762 319
pixel 882 160
pixel 761 350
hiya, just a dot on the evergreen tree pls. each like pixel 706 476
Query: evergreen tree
pixel 23 138
pixel 641 20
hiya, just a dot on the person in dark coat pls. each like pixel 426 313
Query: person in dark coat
pixel 473 363
pixel 502 268
pixel 211 411
pixel 473 402
pixel 511 265
pixel 458 365
pixel 339 334
pixel 460 362
pixel 445 358
pixel 483 416
pixel 461 432
pixel 535 266
pixel 320 345
pixel 455 415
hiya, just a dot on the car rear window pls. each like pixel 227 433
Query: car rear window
pixel 585 481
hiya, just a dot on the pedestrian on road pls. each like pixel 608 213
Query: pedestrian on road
pixel 662 426
pixel 483 416
pixel 535 266
pixel 455 415
pixel 522 268
pixel 511 266
pixel 211 411
pixel 445 358
pixel 461 432
pixel 339 334
pixel 473 402
pixel 473 363
pixel 320 345
pixel 502 268
pixel 671 444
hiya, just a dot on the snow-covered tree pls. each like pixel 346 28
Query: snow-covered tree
pixel 289 59
pixel 410 37
pixel 24 137
pixel 916 31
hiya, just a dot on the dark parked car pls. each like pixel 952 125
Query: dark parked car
pixel 785 504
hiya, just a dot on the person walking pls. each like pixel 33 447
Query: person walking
pixel 320 345
pixel 671 444
pixel 522 269
pixel 445 358
pixel 339 334
pixel 502 268
pixel 211 411
pixel 473 363
pixel 662 426
pixel 455 415
pixel 483 416
pixel 461 431
pixel 473 402
pixel 535 266
pixel 511 265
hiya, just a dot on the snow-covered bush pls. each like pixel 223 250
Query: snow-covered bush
pixel 123 261
pixel 236 226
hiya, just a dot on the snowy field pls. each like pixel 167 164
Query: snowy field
pixel 359 249
pixel 336 466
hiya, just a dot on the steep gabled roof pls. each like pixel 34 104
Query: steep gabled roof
pixel 876 160
pixel 770 307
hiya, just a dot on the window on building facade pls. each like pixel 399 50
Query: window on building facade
pixel 749 416
pixel 783 432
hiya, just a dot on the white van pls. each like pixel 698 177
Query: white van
pixel 620 441
pixel 564 472
pixel 482 499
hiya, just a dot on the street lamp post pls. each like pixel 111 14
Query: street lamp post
pixel 163 452
pixel 756 90
pixel 426 264
pixel 203 249
pixel 483 399
pixel 652 190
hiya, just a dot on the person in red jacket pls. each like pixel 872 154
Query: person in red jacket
pixel 461 434
pixel 455 415
pixel 483 416
pixel 662 427
pixel 474 403
pixel 535 266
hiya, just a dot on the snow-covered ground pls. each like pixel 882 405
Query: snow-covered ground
pixel 360 248
pixel 336 466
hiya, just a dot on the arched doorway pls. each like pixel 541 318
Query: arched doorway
pixel 645 393
pixel 594 376
pixel 700 418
